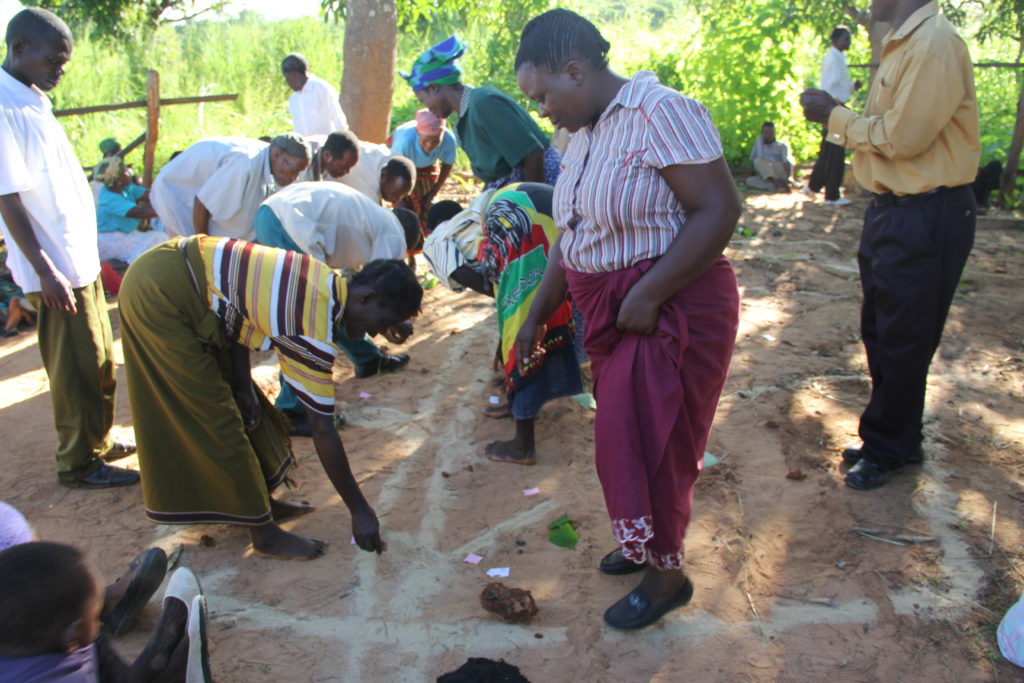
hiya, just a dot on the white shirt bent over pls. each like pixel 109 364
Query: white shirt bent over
pixel 315 108
pixel 337 224
pixel 38 164
pixel 365 175
pixel 230 176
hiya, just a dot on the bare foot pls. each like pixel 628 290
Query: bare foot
pixel 284 509
pixel 270 540
pixel 511 452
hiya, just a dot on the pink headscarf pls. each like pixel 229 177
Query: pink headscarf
pixel 428 124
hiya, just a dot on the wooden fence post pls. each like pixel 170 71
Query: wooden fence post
pixel 152 125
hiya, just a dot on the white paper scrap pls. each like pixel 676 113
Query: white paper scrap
pixel 494 400
pixel 531 492
pixel 498 572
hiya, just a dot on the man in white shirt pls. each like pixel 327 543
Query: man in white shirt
pixel 835 80
pixel 49 225
pixel 381 174
pixel 345 229
pixel 771 161
pixel 215 186
pixel 331 156
pixel 314 106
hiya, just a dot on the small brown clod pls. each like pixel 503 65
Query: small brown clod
pixel 445 475
pixel 514 605
pixel 796 474
pixel 207 541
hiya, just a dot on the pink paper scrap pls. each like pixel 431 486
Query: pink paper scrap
pixel 531 492
pixel 363 394
pixel 473 558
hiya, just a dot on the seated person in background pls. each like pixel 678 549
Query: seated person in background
pixel 123 214
pixel 341 227
pixel 379 174
pixel 518 233
pixel 215 186
pixel 425 142
pixel 50 628
pixel 108 147
pixel 331 156
pixel 771 161
pixel 191 310
pixel 314 106
pixel 15 309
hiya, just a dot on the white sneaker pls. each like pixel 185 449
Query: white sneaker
pixel 842 201
pixel 807 191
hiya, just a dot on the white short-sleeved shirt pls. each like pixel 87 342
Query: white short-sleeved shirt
pixel 315 108
pixel 337 224
pixel 835 75
pixel 38 164
pixel 365 175
pixel 230 175
pixel 611 203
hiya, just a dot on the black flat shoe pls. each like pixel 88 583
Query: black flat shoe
pixel 866 475
pixel 386 363
pixel 851 456
pixel 146 573
pixel 615 564
pixel 106 477
pixel 636 611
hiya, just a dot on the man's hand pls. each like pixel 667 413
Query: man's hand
pixel 637 314
pixel 528 343
pixel 397 334
pixel 817 104
pixel 249 406
pixel 57 292
pixel 366 530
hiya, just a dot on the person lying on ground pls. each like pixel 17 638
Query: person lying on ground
pixel 212 448
pixel 50 626
pixel 125 219
pixel 503 143
pixel 343 228
pixel 771 161
pixel 426 142
pixel 314 104
pixel 215 186
pixel 518 233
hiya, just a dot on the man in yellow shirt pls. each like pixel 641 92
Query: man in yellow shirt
pixel 916 148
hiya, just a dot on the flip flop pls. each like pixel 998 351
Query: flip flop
pixel 198 668
pixel 147 572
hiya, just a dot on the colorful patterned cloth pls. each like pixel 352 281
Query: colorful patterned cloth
pixel 437 65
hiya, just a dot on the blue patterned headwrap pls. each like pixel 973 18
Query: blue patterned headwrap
pixel 437 65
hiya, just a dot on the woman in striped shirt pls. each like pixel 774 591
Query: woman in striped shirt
pixel 211 447
pixel 645 205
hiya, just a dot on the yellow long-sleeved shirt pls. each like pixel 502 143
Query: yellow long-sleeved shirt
pixel 919 130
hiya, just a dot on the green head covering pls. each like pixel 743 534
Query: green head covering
pixel 109 147
pixel 437 65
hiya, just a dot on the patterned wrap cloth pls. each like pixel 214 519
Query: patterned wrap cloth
pixel 437 65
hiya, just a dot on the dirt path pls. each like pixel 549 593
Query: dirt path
pixel 786 590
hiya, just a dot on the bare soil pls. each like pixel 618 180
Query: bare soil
pixel 786 589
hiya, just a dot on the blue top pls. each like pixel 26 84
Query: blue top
pixel 112 207
pixel 406 141
pixel 80 666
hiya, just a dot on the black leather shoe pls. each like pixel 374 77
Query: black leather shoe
pixel 386 363
pixel 852 456
pixel 106 477
pixel 636 611
pixel 615 564
pixel 866 475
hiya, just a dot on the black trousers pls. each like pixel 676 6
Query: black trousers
pixel 828 168
pixel 911 256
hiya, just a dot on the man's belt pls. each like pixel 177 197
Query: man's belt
pixel 889 199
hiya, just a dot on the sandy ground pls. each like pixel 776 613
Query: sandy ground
pixel 786 590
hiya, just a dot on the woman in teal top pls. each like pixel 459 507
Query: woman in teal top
pixel 123 214
pixel 503 143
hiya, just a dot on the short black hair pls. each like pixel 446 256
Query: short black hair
pixel 440 212
pixel 410 226
pixel 395 283
pixel 33 24
pixel 296 61
pixel 838 32
pixel 557 36
pixel 47 587
pixel 341 141
pixel 767 124
pixel 400 167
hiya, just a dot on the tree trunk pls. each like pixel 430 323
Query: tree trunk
pixel 369 69
pixel 1009 179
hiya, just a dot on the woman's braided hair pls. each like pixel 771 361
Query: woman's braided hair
pixel 550 40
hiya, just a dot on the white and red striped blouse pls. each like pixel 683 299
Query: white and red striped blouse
pixel 611 203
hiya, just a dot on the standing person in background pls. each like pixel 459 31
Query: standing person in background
pixel 835 80
pixel 645 207
pixel 503 143
pixel 314 106
pixel 49 225
pixel 916 149
pixel 425 141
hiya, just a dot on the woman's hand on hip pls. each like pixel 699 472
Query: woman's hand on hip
pixel 638 313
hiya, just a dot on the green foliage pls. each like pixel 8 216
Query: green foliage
pixel 120 18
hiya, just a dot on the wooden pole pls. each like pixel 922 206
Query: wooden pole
pixel 152 125
pixel 78 111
